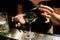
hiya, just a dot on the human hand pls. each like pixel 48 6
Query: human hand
pixel 20 18
pixel 47 12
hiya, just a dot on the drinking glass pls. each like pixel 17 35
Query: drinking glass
pixel 29 18
pixel 4 27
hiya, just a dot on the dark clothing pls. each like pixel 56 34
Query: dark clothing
pixel 56 29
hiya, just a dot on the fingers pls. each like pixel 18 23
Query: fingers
pixel 46 16
pixel 47 20
pixel 21 20
pixel 18 25
pixel 12 19
pixel 47 12
pixel 46 9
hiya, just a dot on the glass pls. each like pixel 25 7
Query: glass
pixel 4 27
pixel 29 18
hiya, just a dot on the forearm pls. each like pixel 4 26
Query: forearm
pixel 20 9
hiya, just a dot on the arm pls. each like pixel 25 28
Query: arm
pixel 20 9
pixel 55 19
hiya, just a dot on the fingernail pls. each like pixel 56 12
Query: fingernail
pixel 16 25
pixel 19 25
pixel 41 13
pixel 47 21
pixel 41 4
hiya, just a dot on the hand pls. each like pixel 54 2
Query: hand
pixel 21 20
pixel 46 16
pixel 47 12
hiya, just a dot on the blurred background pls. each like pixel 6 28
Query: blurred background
pixel 12 7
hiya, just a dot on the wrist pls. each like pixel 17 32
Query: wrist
pixel 52 14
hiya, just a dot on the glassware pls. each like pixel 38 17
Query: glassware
pixel 4 27
pixel 29 18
